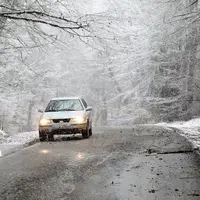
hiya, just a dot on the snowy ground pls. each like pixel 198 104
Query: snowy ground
pixel 189 129
pixel 10 144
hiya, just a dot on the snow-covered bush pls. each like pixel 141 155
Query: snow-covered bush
pixel 3 135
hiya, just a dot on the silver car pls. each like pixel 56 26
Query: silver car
pixel 65 115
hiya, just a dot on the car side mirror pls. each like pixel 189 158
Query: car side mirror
pixel 89 108
pixel 41 111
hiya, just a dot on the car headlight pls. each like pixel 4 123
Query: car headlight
pixel 79 119
pixel 44 122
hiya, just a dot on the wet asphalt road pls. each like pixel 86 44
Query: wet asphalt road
pixel 139 163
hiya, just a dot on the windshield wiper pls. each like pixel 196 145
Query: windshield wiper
pixel 68 109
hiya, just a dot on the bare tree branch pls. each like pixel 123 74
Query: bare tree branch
pixel 191 4
pixel 5 7
pixel 43 22
pixel 39 14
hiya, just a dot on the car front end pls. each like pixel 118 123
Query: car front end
pixel 67 125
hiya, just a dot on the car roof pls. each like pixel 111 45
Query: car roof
pixel 65 98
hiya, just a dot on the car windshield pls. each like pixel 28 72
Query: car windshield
pixel 64 105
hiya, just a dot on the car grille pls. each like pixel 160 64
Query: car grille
pixel 61 120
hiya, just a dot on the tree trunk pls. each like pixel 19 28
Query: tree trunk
pixel 29 120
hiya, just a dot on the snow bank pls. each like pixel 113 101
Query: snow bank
pixel 3 135
pixel 22 138
pixel 13 143
pixel 193 123
pixel 189 129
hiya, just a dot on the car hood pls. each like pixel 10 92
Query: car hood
pixel 62 115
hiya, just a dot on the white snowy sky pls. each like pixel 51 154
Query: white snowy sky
pixel 92 6
pixel 99 6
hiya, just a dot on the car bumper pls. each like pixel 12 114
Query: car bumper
pixel 63 129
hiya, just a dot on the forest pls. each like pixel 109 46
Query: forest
pixel 134 61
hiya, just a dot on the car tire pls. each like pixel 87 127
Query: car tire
pixel 90 131
pixel 50 137
pixel 86 133
pixel 42 136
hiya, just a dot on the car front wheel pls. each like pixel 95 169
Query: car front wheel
pixel 42 136
pixel 50 137
pixel 86 133
pixel 90 131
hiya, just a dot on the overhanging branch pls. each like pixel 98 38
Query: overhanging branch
pixel 26 12
pixel 80 26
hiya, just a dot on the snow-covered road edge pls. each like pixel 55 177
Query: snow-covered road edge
pixel 189 129
pixel 11 144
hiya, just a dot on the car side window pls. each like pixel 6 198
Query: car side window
pixel 84 103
